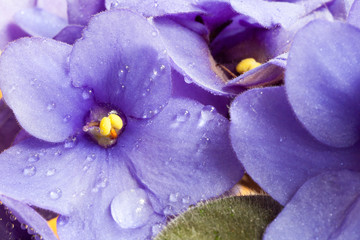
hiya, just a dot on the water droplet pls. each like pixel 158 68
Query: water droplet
pixel 12 218
pixel 50 172
pixel 34 158
pixel 131 208
pixel 58 153
pixel 51 106
pixel 67 118
pixel 36 237
pixel 154 33
pixel 70 142
pixel 186 200
pixel 91 157
pixel 63 220
pixel 31 231
pixel 156 229
pixel 101 182
pixel 162 67
pixel 169 210
pixel 29 171
pixel 23 226
pixel 86 167
pixel 86 94
pixel 55 194
pixel 174 197
pixel 191 65
pixel 207 113
pixel 182 116
pixel 188 80
pixel 9 226
pixel 282 139
pixel 33 82
pixel 203 145
pixel 114 5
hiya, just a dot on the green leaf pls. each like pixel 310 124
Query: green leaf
pixel 244 217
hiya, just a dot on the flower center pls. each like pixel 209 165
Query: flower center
pixel 104 126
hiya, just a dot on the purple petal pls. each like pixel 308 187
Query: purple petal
pixel 70 34
pixel 56 7
pixel 28 216
pixel 268 72
pixel 35 69
pixel 354 14
pixel 38 22
pixel 276 151
pixel 182 88
pixel 151 8
pixel 269 14
pixel 325 207
pixel 322 82
pixel 125 64
pixel 190 54
pixel 80 11
pixel 8 30
pixel 8 126
pixel 183 155
pixel 340 8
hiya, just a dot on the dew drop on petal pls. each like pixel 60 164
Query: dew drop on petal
pixel 51 106
pixel 186 200
pixel 162 67
pixel 131 208
pixel 67 118
pixel 9 226
pixel 55 194
pixel 156 229
pixel 91 157
pixel 34 158
pixel 168 211
pixel 31 231
pixel 70 142
pixel 188 80
pixel 86 94
pixel 154 33
pixel 207 113
pixel 29 171
pixel 50 172
pixel 182 116
pixel 23 226
pixel 174 197
pixel 62 220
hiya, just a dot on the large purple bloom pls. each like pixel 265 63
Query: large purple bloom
pixel 170 154
pixel 297 142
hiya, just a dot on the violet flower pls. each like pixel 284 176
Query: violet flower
pixel 168 153
pixel 302 145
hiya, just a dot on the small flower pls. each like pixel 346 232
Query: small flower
pixel 111 151
pixel 302 145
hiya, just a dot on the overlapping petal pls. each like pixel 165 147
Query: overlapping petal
pixel 29 217
pixel 80 11
pixel 38 22
pixel 125 64
pixel 190 55
pixel 325 207
pixel 183 155
pixel 354 14
pixel 69 34
pixel 8 126
pixel 274 147
pixel 51 112
pixel 322 82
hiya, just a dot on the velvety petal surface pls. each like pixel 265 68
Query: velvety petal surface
pixel 322 81
pixel 29 217
pixel 8 126
pixel 183 88
pixel 70 34
pixel 125 64
pixel 325 207
pixel 8 30
pixel 190 55
pixel 36 87
pixel 80 11
pixel 275 149
pixel 354 14
pixel 38 22
pixel 182 155
pixel 57 7
pixel 151 8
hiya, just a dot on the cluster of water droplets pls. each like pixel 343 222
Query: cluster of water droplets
pixel 101 182
pixel 181 117
pixel 131 208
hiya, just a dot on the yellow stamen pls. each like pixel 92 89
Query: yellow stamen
pixel 116 121
pixel 52 225
pixel 113 133
pixel 105 126
pixel 246 65
pixel 0 95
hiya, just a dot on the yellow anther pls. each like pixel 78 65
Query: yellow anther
pixel 0 94
pixel 52 224
pixel 116 121
pixel 246 65
pixel 105 126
